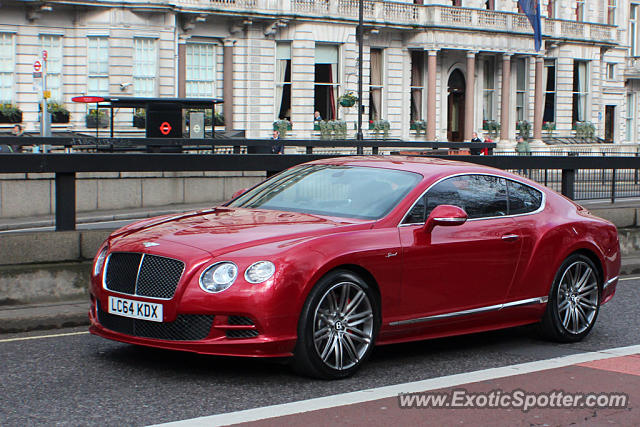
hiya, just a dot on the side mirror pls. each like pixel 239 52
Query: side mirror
pixel 446 216
pixel 239 193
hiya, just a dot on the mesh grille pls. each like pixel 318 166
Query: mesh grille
pixel 157 277
pixel 242 333
pixel 122 271
pixel 240 320
pixel 186 327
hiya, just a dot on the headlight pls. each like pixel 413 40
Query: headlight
pixel 259 271
pixel 99 262
pixel 218 277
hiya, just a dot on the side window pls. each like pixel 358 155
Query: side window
pixel 416 214
pixel 483 196
pixel 522 198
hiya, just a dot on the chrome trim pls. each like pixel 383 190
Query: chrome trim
pixel 530 301
pixel 610 282
pixel 448 219
pixel 135 289
pixel 543 203
pixel 510 236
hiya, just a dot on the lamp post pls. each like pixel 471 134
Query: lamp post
pixel 359 36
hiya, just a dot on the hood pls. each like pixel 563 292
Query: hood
pixel 225 229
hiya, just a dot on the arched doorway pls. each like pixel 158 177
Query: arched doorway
pixel 455 99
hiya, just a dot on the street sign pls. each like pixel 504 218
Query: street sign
pixel 46 94
pixel 37 74
pixel 165 128
pixel 37 66
pixel 196 124
pixel 45 54
pixel 87 99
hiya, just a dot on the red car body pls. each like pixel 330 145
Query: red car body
pixel 448 281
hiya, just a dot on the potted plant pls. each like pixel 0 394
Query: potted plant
pixel 140 119
pixel 549 127
pixel 59 113
pixel 96 118
pixel 492 127
pixel 585 129
pixel 383 126
pixel 348 99
pixel 10 114
pixel 524 129
pixel 339 129
pixel 325 129
pixel 282 126
pixel 420 126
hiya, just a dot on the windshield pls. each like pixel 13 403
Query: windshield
pixel 341 191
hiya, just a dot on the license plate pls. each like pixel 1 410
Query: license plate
pixel 135 309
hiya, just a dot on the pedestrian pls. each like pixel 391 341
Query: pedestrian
pixel 475 138
pixel 316 116
pixel 13 148
pixel 277 147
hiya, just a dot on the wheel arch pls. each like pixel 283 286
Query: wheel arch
pixel 589 253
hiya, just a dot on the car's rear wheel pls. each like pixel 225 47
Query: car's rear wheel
pixel 574 300
pixel 337 326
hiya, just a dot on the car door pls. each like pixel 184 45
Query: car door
pixel 468 266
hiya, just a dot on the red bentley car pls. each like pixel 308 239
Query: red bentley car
pixel 328 258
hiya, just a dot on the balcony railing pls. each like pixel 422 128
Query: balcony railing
pixel 390 12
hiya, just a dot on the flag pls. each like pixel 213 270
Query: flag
pixel 531 8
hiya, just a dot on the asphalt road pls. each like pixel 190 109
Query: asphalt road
pixel 81 379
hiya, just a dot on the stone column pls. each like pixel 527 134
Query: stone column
pixel 469 111
pixel 431 95
pixel 538 100
pixel 227 93
pixel 182 67
pixel 505 109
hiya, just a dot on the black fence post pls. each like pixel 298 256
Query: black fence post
pixel 613 185
pixel 65 201
pixel 569 183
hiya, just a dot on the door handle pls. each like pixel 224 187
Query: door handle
pixel 510 237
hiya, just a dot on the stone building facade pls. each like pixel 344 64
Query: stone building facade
pixel 457 65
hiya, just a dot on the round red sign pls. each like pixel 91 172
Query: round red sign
pixel 37 66
pixel 165 128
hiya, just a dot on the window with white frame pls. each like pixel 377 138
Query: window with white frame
pixel 375 84
pixel 7 65
pixel 200 70
pixel 53 45
pixel 327 80
pixel 549 85
pixel 580 10
pixel 631 118
pixel 489 72
pixel 611 12
pixel 98 66
pixel 551 10
pixel 580 88
pixel 521 88
pixel 283 80
pixel 417 84
pixel 611 71
pixel 634 34
pixel 145 66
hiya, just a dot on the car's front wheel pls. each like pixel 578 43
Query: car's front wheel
pixel 574 300
pixel 337 326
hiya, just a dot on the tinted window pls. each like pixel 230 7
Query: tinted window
pixel 522 198
pixel 342 191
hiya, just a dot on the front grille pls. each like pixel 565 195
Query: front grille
pixel 240 320
pixel 186 327
pixel 242 333
pixel 143 274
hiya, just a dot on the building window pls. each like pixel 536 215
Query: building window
pixel 521 88
pixel 375 84
pixel 490 5
pixel 611 12
pixel 98 66
pixel 417 84
pixel 7 65
pixel 283 80
pixel 145 67
pixel 456 3
pixel 200 70
pixel 327 81
pixel 630 120
pixel 611 71
pixel 489 71
pixel 551 9
pixel 580 10
pixel 633 29
pixel 53 45
pixel 580 85
pixel 549 84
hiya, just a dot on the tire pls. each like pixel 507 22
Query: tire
pixel 574 300
pixel 337 327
